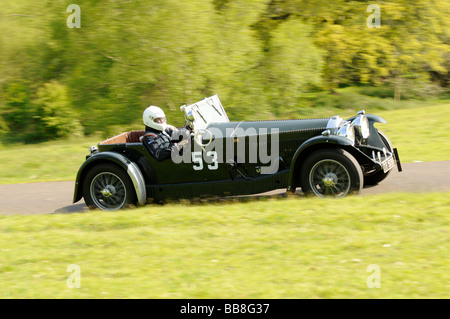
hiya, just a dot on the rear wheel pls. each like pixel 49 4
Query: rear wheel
pixel 108 187
pixel 331 173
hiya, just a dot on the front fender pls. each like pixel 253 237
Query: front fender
pixel 374 138
pixel 130 167
pixel 314 143
pixel 372 119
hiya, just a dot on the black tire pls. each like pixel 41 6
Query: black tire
pixel 374 178
pixel 331 173
pixel 108 187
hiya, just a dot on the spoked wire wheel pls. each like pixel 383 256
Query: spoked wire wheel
pixel 108 187
pixel 108 191
pixel 331 172
pixel 329 178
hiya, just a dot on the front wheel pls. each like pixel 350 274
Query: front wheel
pixel 108 187
pixel 331 173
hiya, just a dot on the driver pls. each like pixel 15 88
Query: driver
pixel 158 134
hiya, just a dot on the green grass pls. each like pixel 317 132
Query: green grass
pixel 276 248
pixel 49 161
pixel 421 133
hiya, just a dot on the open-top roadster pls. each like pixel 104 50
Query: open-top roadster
pixel 328 157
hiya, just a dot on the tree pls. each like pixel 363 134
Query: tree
pixel 55 117
pixel 294 64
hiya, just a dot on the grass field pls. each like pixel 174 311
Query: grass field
pixel 271 248
pixel 419 133
pixel 277 248
pixel 49 161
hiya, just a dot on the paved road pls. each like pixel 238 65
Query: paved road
pixel 56 197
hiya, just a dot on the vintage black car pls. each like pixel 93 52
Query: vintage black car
pixel 328 157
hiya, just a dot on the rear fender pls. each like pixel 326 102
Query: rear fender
pixel 110 157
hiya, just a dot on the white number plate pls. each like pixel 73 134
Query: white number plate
pixel 388 164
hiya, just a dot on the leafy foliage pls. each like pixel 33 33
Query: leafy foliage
pixel 261 56
pixel 55 116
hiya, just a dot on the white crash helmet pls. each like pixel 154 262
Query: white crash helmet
pixel 150 116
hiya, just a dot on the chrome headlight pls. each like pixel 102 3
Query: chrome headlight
pixel 334 123
pixel 361 123
pixel 347 131
pixel 337 126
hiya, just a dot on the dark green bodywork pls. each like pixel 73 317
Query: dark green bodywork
pixel 236 175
